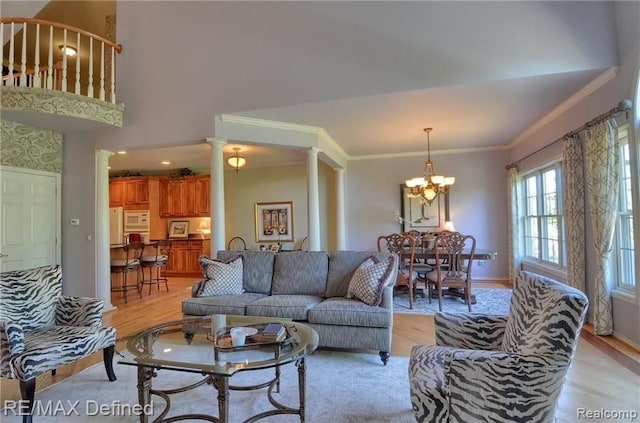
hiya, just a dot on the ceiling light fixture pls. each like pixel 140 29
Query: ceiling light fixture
pixel 122 152
pixel 429 186
pixel 165 163
pixel 237 160
pixel 68 50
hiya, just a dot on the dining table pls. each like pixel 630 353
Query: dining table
pixel 422 254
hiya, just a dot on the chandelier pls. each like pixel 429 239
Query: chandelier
pixel 237 160
pixel 429 186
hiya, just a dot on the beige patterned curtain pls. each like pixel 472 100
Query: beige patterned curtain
pixel 601 171
pixel 513 224
pixel 573 203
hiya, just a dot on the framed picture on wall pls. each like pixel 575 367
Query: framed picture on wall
pixel 421 215
pixel 274 222
pixel 179 229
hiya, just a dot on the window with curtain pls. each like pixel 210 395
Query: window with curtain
pixel 543 221
pixel 623 251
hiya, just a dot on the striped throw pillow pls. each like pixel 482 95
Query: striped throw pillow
pixel 221 277
pixel 370 279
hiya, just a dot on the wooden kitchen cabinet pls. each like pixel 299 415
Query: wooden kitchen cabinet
pixel 183 257
pixel 132 193
pixel 185 197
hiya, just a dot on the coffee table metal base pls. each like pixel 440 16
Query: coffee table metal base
pixel 221 384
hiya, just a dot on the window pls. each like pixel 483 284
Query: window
pixel 543 221
pixel 624 249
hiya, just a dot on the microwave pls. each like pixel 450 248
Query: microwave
pixel 136 221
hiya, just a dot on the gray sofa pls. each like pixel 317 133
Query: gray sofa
pixel 310 287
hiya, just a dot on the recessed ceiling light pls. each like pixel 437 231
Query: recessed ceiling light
pixel 122 152
pixel 165 162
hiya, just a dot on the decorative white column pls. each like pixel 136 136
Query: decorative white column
pixel 216 196
pixel 313 199
pixel 340 199
pixel 103 258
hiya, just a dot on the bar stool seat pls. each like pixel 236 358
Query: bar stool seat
pixel 159 262
pixel 123 266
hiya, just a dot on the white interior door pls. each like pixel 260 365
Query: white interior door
pixel 30 218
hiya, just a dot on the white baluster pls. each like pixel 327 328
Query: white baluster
pixel 64 62
pixel 113 75
pixel 102 72
pixel 37 81
pixel 11 41
pixel 78 64
pixel 23 58
pixel 90 84
pixel 50 64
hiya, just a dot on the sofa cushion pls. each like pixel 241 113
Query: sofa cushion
pixel 350 312
pixel 293 307
pixel 300 272
pixel 222 304
pixel 257 271
pixel 52 347
pixel 221 277
pixel 342 265
pixel 369 280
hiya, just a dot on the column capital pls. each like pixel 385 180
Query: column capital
pixel 104 153
pixel 214 141
pixel 313 151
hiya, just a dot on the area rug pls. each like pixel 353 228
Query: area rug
pixel 488 301
pixel 341 387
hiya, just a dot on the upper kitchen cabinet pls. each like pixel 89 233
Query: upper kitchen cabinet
pixel 185 197
pixel 132 193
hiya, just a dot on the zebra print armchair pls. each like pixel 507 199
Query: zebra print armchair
pixel 41 330
pixel 500 368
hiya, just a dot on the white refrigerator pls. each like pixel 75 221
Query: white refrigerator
pixel 116 225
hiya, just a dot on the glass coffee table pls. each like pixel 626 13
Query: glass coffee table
pixel 202 345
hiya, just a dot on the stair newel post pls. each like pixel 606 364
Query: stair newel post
pixel 113 75
pixel 102 71
pixel 11 47
pixel 50 64
pixel 90 82
pixel 23 57
pixel 37 80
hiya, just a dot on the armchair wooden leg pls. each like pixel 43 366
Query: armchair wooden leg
pixel 107 355
pixel 28 392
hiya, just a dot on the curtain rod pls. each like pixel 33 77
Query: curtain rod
pixel 623 106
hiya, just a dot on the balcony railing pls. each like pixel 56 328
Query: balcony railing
pixel 34 58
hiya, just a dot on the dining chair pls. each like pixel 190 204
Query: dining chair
pixel 236 244
pixel 404 247
pixel 452 271
pixel 129 262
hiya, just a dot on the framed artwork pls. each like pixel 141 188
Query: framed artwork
pixel 423 216
pixel 274 222
pixel 179 229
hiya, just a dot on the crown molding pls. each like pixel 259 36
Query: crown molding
pixel 433 153
pixel 586 91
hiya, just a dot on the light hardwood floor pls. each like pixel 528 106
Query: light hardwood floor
pixel 604 374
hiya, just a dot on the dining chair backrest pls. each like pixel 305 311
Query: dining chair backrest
pixel 236 244
pixel 449 247
pixel 405 247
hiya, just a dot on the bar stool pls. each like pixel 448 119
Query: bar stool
pixel 159 261
pixel 123 266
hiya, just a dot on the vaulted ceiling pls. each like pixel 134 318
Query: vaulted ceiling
pixel 373 74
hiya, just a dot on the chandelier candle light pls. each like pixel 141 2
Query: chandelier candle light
pixel 429 186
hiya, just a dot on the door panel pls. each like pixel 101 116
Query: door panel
pixel 29 219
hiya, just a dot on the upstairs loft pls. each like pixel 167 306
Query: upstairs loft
pixel 58 77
